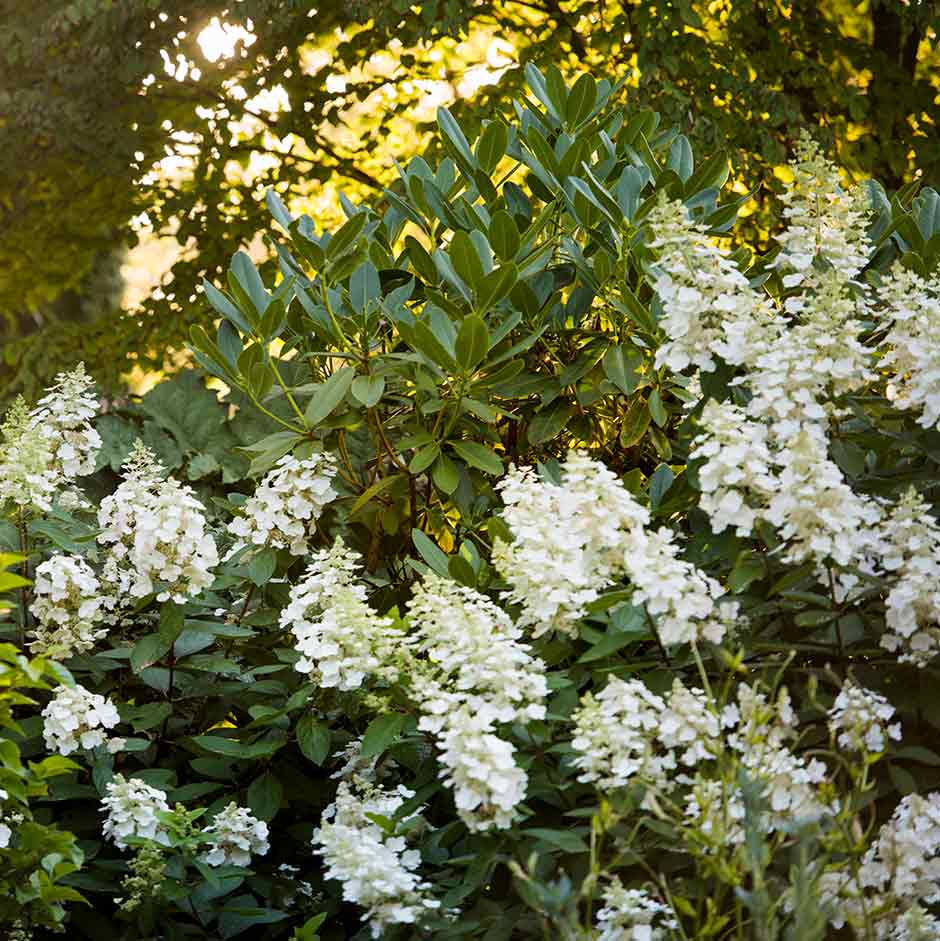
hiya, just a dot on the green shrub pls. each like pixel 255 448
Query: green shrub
pixel 541 570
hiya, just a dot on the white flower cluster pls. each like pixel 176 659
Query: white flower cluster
pixel 568 540
pixel 76 718
pixel 234 835
pixel 912 346
pixel 65 414
pixel 474 675
pixel 628 735
pixel 899 872
pixel 132 807
pixel 700 288
pixel 822 219
pixel 377 870
pixel 46 448
pixel 284 508
pixel 909 541
pixel 633 915
pixel 69 607
pixel 858 720
pixel 26 478
pixel 573 539
pixel 340 638
pixel 155 532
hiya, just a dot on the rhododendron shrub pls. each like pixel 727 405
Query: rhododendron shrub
pixel 565 569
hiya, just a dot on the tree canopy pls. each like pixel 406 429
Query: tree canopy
pixel 109 111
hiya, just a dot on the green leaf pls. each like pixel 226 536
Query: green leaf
pixel 313 737
pixel 345 237
pixel 265 794
pixel 245 273
pixel 563 840
pixel 329 395
pixel 463 256
pixel 581 100
pixel 148 650
pixel 657 409
pixel 504 235
pixel 472 344
pixel 445 475
pixel 748 567
pixel 621 366
pixel 424 457
pixel 478 456
pixel 492 145
pixel 680 158
pixel 232 748
pixel 635 421
pixel 495 286
pixel 548 423
pixel 370 493
pixel 172 619
pixel 660 481
pixel 368 389
pixel 364 286
pixel 226 308
pixel 429 551
pixel 455 140
pixel 262 566
pixel 382 731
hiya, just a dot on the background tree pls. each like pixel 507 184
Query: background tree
pixel 96 130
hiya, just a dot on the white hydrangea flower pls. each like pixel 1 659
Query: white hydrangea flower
pixel 822 219
pixel 898 874
pixel 859 718
pixel 716 813
pixel 682 600
pixel 474 674
pixel 76 718
pixel 234 835
pixel 566 540
pixel 633 915
pixel 377 870
pixel 480 768
pixel 69 606
pixel 28 478
pixel 6 832
pixel 912 346
pixel 155 531
pixel 615 737
pixel 476 651
pixel 284 509
pixel 626 734
pixel 132 807
pixel 341 640
pixel 817 513
pixel 65 413
pixel 737 476
pixel 909 548
pixel 700 288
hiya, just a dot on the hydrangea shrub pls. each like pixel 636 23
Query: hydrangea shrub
pixel 564 570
